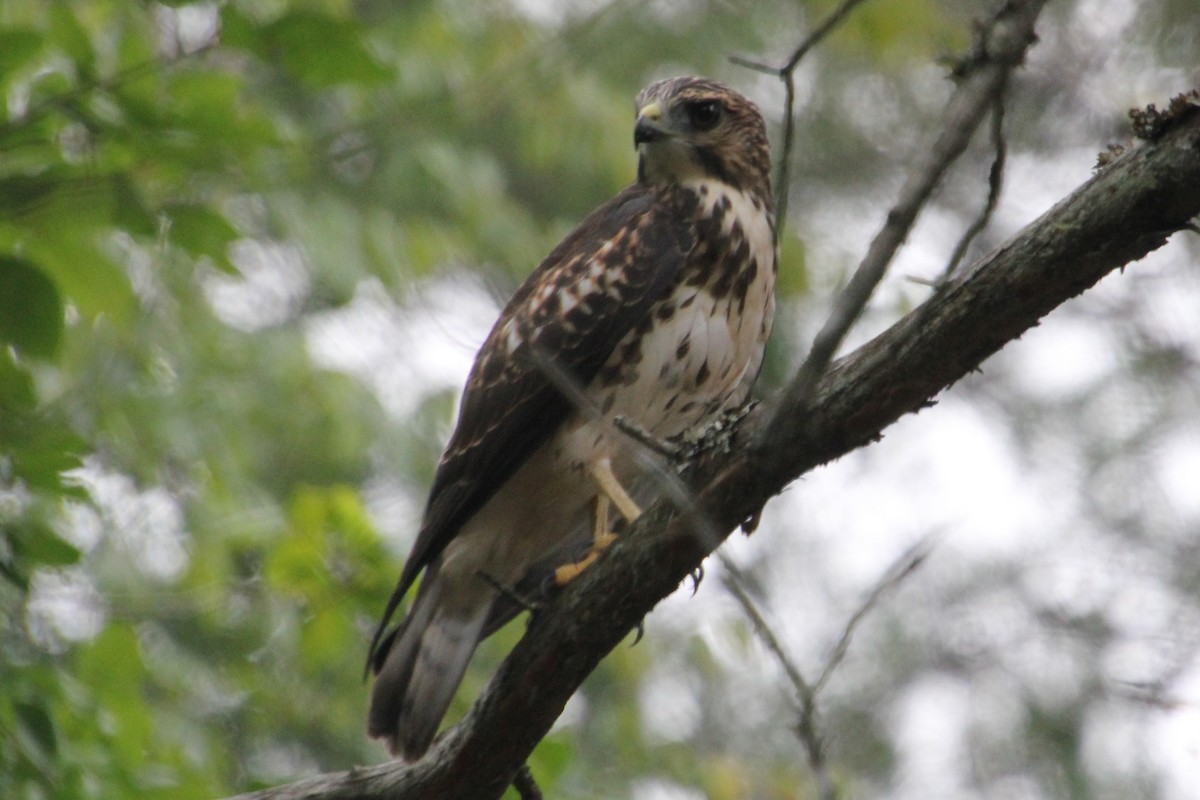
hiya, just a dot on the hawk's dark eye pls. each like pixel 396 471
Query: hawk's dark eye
pixel 704 114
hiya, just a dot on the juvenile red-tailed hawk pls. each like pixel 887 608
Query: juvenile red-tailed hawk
pixel 657 307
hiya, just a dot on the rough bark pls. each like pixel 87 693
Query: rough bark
pixel 1120 215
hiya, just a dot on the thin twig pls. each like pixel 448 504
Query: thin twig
pixel 995 185
pixel 901 569
pixel 633 430
pixel 787 74
pixel 509 593
pixel 785 161
pixel 525 785
pixel 820 32
pixel 757 66
pixel 808 727
pixel 735 580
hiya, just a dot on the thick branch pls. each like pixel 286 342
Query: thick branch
pixel 1117 217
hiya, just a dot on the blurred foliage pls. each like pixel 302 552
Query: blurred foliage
pixel 199 517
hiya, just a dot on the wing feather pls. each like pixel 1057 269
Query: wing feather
pixel 592 289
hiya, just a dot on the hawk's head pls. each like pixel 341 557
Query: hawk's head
pixel 690 128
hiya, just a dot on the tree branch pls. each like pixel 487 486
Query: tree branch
pixel 1118 216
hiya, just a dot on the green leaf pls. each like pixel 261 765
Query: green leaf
pixel 36 444
pixel 40 546
pixel 129 209
pixel 112 667
pixel 85 275
pixel 237 31
pixel 31 311
pixel 202 232
pixel 16 48
pixel 205 103
pixel 59 218
pixel 49 87
pixel 319 49
pixel 50 450
pixel 14 574
pixel 37 728
pixel 17 393
pixel 71 37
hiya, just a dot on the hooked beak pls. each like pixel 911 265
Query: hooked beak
pixel 648 128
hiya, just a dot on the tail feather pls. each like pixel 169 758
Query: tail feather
pixel 421 672
pixel 393 663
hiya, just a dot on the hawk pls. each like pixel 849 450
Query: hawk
pixel 656 308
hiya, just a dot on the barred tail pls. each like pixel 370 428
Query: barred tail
pixel 421 671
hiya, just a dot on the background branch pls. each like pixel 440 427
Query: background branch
pixel 995 185
pixel 808 727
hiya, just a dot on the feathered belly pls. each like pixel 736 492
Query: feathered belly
pixel 692 364
pixel 696 354
pixel 699 358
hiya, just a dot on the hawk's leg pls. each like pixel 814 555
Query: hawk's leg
pixel 611 491
pixel 609 485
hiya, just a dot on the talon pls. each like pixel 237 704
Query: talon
pixel 697 576
pixel 641 631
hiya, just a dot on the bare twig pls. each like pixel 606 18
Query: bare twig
pixel 995 185
pixel 999 49
pixel 787 74
pixel 807 728
pixel 735 581
pixel 633 430
pixel 525 785
pixel 904 566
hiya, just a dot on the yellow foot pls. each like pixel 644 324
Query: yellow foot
pixel 569 572
pixel 612 491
